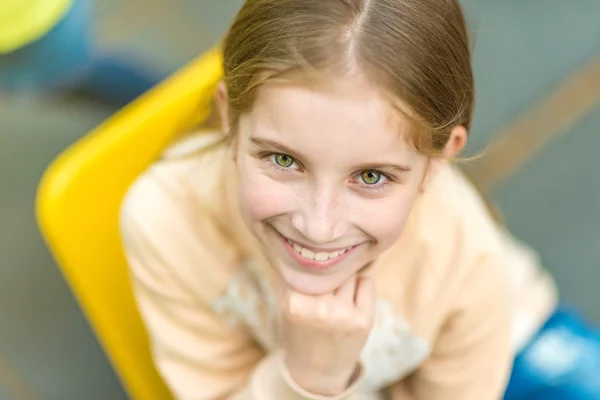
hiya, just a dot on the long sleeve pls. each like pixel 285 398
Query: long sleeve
pixel 177 266
pixel 472 352
pixel 472 356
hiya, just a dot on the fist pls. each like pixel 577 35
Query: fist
pixel 323 336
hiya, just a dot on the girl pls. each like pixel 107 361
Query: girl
pixel 45 46
pixel 320 244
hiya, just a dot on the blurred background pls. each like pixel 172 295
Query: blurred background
pixel 537 66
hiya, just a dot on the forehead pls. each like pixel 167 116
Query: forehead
pixel 353 119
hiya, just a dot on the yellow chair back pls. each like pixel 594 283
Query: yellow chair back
pixel 78 207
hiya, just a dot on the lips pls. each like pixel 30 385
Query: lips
pixel 313 258
pixel 317 255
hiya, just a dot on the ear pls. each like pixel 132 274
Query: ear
pixel 223 106
pixel 456 143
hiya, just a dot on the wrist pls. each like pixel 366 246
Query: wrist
pixel 323 383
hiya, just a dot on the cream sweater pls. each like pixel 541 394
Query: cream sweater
pixel 447 290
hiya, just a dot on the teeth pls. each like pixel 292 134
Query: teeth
pixel 320 256
pixel 307 253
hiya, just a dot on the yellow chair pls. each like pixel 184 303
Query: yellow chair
pixel 78 204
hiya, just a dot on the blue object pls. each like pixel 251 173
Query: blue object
pixel 562 362
pixel 65 59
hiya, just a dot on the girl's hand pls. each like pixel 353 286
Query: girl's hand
pixel 323 336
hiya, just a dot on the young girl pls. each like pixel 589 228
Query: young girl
pixel 321 245
pixel 45 45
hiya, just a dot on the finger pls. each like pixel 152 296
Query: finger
pixel 365 295
pixel 345 293
pixel 323 309
pixel 287 295
pixel 297 304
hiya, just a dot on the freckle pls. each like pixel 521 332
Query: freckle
pixel 335 202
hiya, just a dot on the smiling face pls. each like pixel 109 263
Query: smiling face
pixel 326 180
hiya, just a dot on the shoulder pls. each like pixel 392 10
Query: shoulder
pixel 169 226
pixel 455 219
pixel 177 185
pixel 460 245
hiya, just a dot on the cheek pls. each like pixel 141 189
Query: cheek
pixel 385 219
pixel 260 196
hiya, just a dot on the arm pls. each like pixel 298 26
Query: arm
pixel 200 356
pixel 472 357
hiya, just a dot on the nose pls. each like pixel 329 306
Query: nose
pixel 320 217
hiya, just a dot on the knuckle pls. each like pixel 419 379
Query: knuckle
pixel 323 311
pixel 294 315
pixel 342 317
pixel 296 308
pixel 361 323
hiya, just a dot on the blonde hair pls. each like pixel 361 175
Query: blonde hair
pixel 416 52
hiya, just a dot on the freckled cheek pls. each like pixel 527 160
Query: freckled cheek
pixel 262 198
pixel 383 219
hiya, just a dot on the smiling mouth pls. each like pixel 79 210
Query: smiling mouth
pixel 314 258
pixel 317 255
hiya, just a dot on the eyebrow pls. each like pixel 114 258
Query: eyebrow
pixel 262 142
pixel 268 143
pixel 401 169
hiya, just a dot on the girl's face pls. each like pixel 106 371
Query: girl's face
pixel 326 179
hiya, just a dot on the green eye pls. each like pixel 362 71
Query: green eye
pixel 283 160
pixel 370 177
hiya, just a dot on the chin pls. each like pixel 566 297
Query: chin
pixel 312 284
